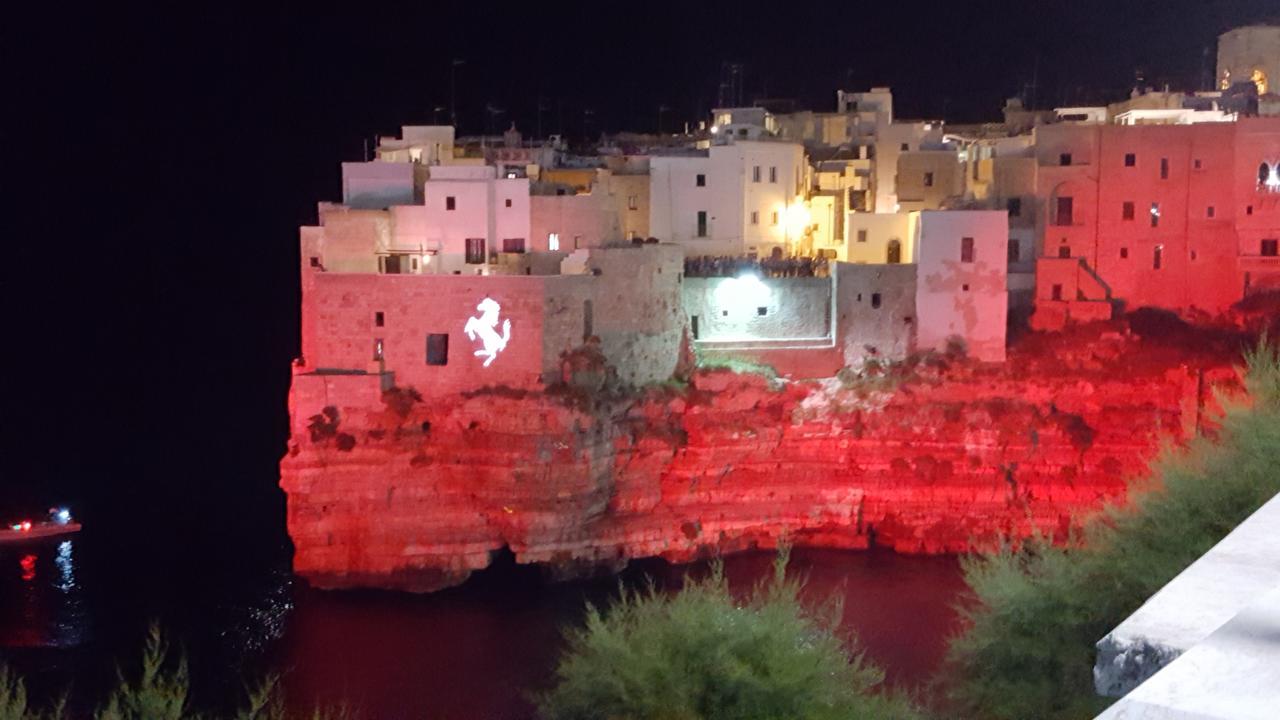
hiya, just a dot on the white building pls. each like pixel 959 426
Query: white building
pixel 377 185
pixel 424 144
pixel 961 259
pixel 742 198
pixel 468 216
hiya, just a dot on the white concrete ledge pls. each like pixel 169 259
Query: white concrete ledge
pixel 1209 637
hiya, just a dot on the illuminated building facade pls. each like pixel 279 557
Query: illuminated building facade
pixel 1250 54
pixel 743 197
pixel 1182 217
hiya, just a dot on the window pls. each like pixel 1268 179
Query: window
pixel 1064 159
pixel 928 179
pixel 773 218
pixel 1164 168
pixel 702 223
pixel 1155 214
pixel 1270 247
pixel 1126 210
pixel 693 326
pixel 413 263
pixel 773 174
pixel 1197 164
pixel 1193 255
pixel 438 349
pixel 762 311
pixel 553 241
pixel 1157 257
pixel 862 236
pixel 875 300
pixel 450 203
pixel 1015 250
pixel 1015 207
pixel 965 287
pixel 1064 252
pixel 1209 211
pixel 475 251
pixel 906 147
pixel 379 319
pixel 633 202
pixel 315 261
pixel 513 245
pixel 1248 210
pixel 1056 292
pixel 508 202
pixel 755 217
pixel 1130 159
pixel 1124 253
pixel 1264 172
pixel 966 250
pixel 700 180
pixel 577 241
pixel 755 174
pixel 377 349
pixel 1065 214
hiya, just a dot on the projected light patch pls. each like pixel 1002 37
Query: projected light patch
pixel 485 329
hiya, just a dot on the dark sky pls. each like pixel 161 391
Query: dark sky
pixel 157 167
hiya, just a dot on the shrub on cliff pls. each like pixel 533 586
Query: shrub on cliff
pixel 1028 650
pixel 700 654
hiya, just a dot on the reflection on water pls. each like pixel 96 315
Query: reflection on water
pixel 69 612
pixel 44 607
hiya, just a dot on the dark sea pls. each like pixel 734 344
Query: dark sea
pixel 71 610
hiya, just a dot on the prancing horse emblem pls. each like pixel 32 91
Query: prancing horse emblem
pixel 485 327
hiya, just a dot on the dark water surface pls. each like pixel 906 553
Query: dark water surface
pixel 71 609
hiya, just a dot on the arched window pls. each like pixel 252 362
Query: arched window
pixel 1264 172
pixel 894 254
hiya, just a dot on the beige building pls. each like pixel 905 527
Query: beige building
pixel 1250 54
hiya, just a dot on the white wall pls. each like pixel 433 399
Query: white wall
pixel 957 298
pixel 376 185
pixel 729 197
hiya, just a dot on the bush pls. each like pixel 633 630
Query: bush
pixel 699 654
pixel 1037 612
pixel 160 691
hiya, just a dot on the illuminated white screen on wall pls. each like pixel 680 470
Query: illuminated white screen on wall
pixel 553 241
pixel 484 328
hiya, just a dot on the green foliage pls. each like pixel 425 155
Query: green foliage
pixel 13 696
pixel 1028 650
pixel 716 361
pixel 160 690
pixel 700 654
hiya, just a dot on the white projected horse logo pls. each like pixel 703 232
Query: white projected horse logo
pixel 485 327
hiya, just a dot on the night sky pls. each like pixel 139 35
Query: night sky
pixel 157 168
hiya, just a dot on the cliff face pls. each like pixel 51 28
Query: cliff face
pixel 396 492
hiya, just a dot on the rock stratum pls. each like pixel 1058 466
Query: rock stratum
pixel 386 490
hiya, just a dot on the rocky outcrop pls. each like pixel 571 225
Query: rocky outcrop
pixel 408 494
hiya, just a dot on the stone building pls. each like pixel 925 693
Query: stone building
pixel 1183 217
pixel 447 334
pixel 951 287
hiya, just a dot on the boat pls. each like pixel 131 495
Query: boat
pixel 60 522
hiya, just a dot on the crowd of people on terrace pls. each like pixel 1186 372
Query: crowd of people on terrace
pixel 771 267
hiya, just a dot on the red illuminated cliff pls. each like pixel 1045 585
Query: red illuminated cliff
pixel 387 490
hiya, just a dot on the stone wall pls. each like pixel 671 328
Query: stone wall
pixel 417 495
pixel 877 306
pixel 754 309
